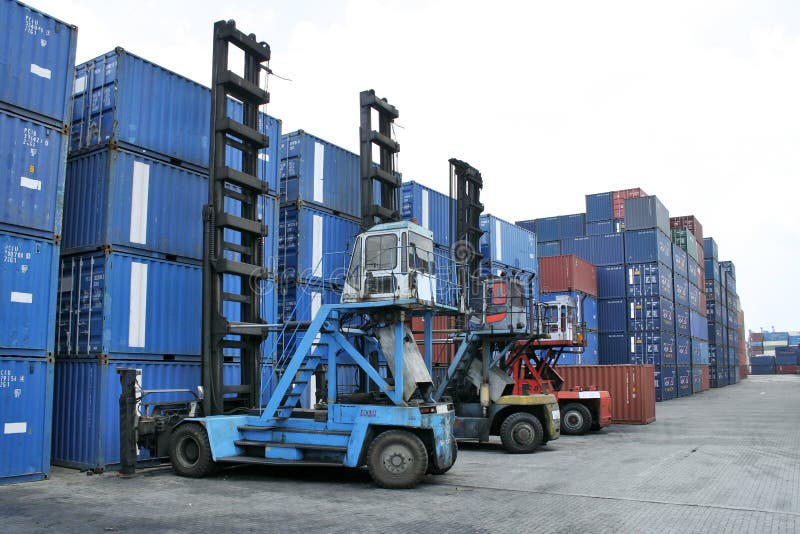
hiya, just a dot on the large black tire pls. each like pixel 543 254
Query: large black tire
pixel 397 459
pixel 435 470
pixel 190 451
pixel 521 432
pixel 576 419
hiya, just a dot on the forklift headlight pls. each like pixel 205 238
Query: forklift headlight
pixel 427 409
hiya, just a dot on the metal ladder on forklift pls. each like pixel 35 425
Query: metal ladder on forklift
pixel 233 270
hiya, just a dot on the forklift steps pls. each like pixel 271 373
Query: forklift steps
pixel 274 461
pixel 253 428
pixel 282 444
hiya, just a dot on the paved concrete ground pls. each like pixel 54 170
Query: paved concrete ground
pixel 727 460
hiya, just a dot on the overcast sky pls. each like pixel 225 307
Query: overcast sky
pixel 695 102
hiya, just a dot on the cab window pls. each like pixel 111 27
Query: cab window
pixel 354 273
pixel 381 252
pixel 420 255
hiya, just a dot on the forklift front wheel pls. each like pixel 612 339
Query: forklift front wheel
pixel 576 419
pixel 397 459
pixel 190 451
pixel 521 432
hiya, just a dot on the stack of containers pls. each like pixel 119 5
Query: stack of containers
pixel 510 249
pixel 552 231
pixel 649 281
pixel 741 355
pixel 319 221
pixel 576 278
pixel 773 340
pixel 728 274
pixel 755 345
pixel 37 57
pixel 605 212
pixel 687 233
pixel 716 317
pixel 683 346
pixel 763 365
pixel 131 268
pixel 787 360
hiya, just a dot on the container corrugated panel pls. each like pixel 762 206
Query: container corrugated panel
pixel 551 248
pixel 698 326
pixel 728 267
pixel 713 290
pixel 430 208
pixel 567 273
pixel 599 227
pixel 114 101
pixel 665 382
pixel 630 386
pixel 507 244
pixel 682 320
pixel 318 172
pixel 683 350
pixel 133 202
pixel 694 273
pixel 679 260
pixel 710 248
pixel 547 229
pixel 697 379
pixel 588 306
pixel 714 332
pixel 762 360
pixel 31 175
pixel 300 302
pixel 787 359
pixel 681 290
pixel 611 315
pixel 683 379
pixel 794 340
pixel 26 412
pixel 644 213
pixel 599 207
pixel 589 356
pixel 529 225
pixel 86 408
pixel 611 281
pixel 650 314
pixel 694 299
pixel 763 369
pixel 314 245
pixel 613 348
pixel 572 225
pixel 648 279
pixel 699 351
pixel 711 270
pixel 646 246
pixel 28 289
pixel 651 347
pixel 37 57
pixel 120 303
pixel 598 250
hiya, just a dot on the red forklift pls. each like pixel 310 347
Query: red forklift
pixel 533 366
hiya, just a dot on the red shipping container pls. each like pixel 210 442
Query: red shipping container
pixel 689 222
pixel 756 351
pixel 758 337
pixel 632 388
pixel 703 311
pixel 742 372
pixel 443 347
pixel 788 369
pixel 706 378
pixel 618 200
pixel 567 273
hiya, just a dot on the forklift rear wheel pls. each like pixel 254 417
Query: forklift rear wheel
pixel 190 451
pixel 435 470
pixel 576 419
pixel 521 432
pixel 397 459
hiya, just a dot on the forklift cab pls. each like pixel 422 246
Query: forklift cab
pixel 392 261
pixel 503 306
pixel 560 321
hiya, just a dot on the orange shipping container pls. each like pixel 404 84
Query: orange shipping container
pixel 706 378
pixel 742 372
pixel 632 389
pixel 443 348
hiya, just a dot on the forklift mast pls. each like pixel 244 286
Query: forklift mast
pixel 465 213
pixel 378 179
pixel 233 257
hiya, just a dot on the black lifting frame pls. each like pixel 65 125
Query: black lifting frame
pixel 385 174
pixel 241 255
pixel 465 212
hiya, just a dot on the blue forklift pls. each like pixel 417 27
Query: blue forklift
pixel 395 429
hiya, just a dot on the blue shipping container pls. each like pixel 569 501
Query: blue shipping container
pixel 650 314
pixel 588 306
pixel 135 203
pixel 693 272
pixel 301 302
pixel 699 351
pixel 613 349
pixel 508 244
pixel 599 207
pixel 682 320
pixel 599 227
pixel 547 229
pixel 430 208
pixel 598 250
pixel 32 178
pixel 589 356
pixel 694 298
pixel 314 245
pixel 643 213
pixel 679 260
pixel 683 351
pixel 710 250
pixel 681 285
pixel 611 315
pixel 646 246
pixel 666 387
pixel 119 303
pixel 698 326
pixel 651 347
pixel 318 172
pixel 649 279
pixel 697 379
pixel 572 225
pixel 684 380
pixel 550 248
pixel 37 56
pixel 28 286
pixel 611 282
pixel 26 412
pixel 86 408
